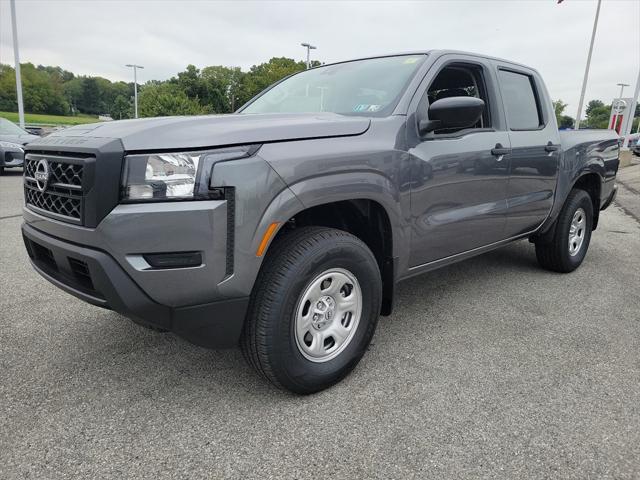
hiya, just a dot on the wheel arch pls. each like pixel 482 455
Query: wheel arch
pixel 369 215
pixel 364 218
pixel 588 178
pixel 591 182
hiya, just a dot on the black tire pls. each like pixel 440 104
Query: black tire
pixel 268 340
pixel 555 254
pixel 1 170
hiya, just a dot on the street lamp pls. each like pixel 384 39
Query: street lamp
pixel 16 56
pixel 622 85
pixel 135 86
pixel 309 47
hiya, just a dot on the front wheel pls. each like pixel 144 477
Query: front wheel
pixel 568 246
pixel 314 309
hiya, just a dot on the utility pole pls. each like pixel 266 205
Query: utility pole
pixel 135 86
pixel 309 47
pixel 586 70
pixel 16 56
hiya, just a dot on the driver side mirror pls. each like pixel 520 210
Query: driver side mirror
pixel 452 112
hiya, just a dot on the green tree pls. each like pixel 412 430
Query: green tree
pixel 57 73
pixel 190 82
pixel 8 101
pixel 564 121
pixel 559 106
pixel 598 115
pixel 121 108
pixel 158 99
pixel 594 104
pixel 73 92
pixel 221 87
pixel 41 93
pixel 90 101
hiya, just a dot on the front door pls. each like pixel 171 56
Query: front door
pixel 459 181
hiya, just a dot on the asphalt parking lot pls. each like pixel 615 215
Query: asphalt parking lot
pixel 492 368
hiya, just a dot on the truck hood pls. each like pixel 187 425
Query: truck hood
pixel 183 133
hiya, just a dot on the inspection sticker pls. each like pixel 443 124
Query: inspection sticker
pixel 365 107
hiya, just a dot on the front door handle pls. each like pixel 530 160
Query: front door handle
pixel 500 151
pixel 550 147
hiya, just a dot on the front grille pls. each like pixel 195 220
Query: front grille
pixel 62 197
pixel 54 203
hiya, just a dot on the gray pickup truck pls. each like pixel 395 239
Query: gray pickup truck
pixel 285 227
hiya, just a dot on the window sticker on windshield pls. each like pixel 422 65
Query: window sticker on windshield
pixel 410 60
pixel 365 107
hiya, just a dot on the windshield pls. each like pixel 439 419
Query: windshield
pixel 362 87
pixel 10 128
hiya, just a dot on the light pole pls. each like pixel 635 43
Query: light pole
pixel 586 70
pixel 309 47
pixel 135 86
pixel 622 85
pixel 16 56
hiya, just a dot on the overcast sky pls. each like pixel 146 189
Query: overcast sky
pixel 94 37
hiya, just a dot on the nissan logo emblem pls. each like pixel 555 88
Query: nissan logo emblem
pixel 619 106
pixel 41 175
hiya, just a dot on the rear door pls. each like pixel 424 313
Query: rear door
pixel 459 178
pixel 535 148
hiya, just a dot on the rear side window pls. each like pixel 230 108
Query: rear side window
pixel 520 101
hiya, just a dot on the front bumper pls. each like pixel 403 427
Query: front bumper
pixel 97 278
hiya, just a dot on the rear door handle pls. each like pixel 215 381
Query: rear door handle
pixel 550 147
pixel 499 150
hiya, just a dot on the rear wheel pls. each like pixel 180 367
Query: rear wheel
pixel 568 246
pixel 314 309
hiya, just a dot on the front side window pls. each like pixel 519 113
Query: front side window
pixel 520 101
pixel 362 87
pixel 460 80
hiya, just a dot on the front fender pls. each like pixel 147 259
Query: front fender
pixel 261 197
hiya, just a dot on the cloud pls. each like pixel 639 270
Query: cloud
pixel 98 37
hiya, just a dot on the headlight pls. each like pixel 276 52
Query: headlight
pixel 11 145
pixel 176 175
